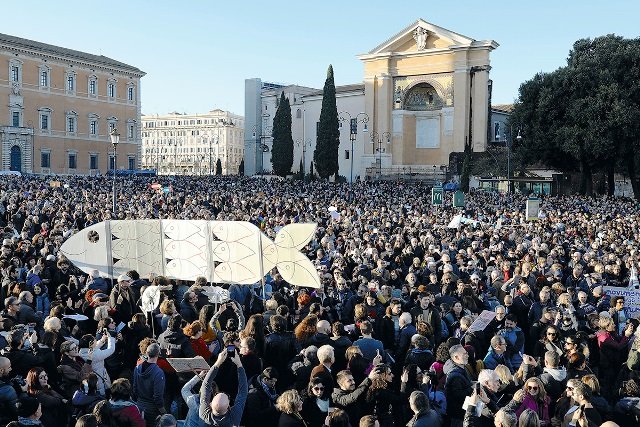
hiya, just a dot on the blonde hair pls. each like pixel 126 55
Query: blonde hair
pixel 101 312
pixel 166 305
pixel 288 402
pixel 52 324
pixel 504 373
pixel 542 393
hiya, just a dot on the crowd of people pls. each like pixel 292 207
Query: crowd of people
pixel 495 321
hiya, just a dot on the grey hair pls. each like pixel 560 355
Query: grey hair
pixel 487 375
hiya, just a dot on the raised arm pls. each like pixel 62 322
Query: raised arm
pixel 206 390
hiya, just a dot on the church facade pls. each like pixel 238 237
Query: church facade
pixel 425 94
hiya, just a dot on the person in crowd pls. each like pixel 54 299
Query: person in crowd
pixel 216 409
pixel 289 403
pixel 173 342
pixel 423 415
pixel 262 399
pixel 53 405
pixel 368 345
pixel 315 405
pixel 72 369
pixel 149 385
pixel 124 409
pixel 458 383
pixel 497 354
pixel 122 299
pixel 86 398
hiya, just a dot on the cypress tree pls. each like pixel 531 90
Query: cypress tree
pixel 218 167
pixel 282 148
pixel 325 155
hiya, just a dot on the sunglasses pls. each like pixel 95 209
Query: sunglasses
pixel 533 388
pixel 551 334
pixel 316 388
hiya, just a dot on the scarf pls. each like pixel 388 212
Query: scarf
pixel 272 395
pixel 323 405
pixel 29 422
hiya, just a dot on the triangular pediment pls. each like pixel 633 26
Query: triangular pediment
pixel 421 36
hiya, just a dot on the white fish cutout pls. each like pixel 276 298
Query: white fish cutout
pixel 221 251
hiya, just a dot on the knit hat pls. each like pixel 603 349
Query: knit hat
pixel 27 406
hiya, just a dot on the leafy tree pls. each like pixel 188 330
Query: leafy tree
pixel 218 167
pixel 282 149
pixel 325 154
pixel 241 168
pixel 583 117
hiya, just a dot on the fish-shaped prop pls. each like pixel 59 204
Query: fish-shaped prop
pixel 221 251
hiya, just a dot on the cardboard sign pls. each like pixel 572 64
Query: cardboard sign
pixel 188 364
pixel 482 321
pixel 533 209
pixel 54 184
pixel 631 298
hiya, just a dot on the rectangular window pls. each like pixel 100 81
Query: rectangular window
pixel 15 73
pixel 496 131
pixel 15 119
pixel 45 159
pixel 92 87
pixel 70 83
pixel 44 79
pixel 44 122
pixel 71 124
pixel 111 90
pixel 132 163
pixel 73 164
pixel 93 161
pixel 130 94
pixel 346 154
pixel 130 132
pixel 93 127
pixel 112 162
pixel 112 126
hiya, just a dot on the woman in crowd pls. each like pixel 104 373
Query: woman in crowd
pixel 289 404
pixel 255 330
pixel 54 409
pixel 86 398
pixel 551 340
pixel 194 331
pixel 72 369
pixel 315 406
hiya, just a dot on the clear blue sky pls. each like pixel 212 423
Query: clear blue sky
pixel 197 53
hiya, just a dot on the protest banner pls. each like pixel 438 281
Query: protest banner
pixel 188 363
pixel 631 298
pixel 482 321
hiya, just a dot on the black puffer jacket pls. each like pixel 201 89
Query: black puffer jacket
pixel 175 344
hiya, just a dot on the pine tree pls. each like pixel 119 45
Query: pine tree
pixel 218 167
pixel 282 148
pixel 325 155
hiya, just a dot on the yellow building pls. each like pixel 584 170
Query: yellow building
pixel 425 93
pixel 60 107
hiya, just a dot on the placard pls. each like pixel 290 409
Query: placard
pixel 631 298
pixel 188 363
pixel 533 209
pixel 482 321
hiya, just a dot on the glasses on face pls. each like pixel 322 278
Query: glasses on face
pixel 43 377
pixel 551 334
pixel 532 387
pixel 317 388
pixel 569 388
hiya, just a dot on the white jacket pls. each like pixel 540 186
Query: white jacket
pixel 97 357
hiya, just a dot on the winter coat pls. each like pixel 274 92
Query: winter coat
pixel 515 345
pixel 540 408
pixel 351 401
pixel 428 418
pixel 423 358
pixel 71 373
pixel 42 302
pixel 83 402
pixel 148 387
pixel 279 349
pixel 457 387
pixel 97 357
pixel 234 414
pixel 262 404
pixel 175 344
pixel 493 359
pixel 126 413
pixel 554 381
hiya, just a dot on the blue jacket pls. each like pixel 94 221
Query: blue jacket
pixel 8 400
pixel 148 386
pixel 493 359
pixel 515 345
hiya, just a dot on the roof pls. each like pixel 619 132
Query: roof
pixel 20 43
pixel 503 108
pixel 342 89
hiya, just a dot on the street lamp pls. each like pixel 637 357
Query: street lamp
pixel 299 141
pixel 264 148
pixel 115 140
pixel 508 144
pixel 379 138
pixel 353 132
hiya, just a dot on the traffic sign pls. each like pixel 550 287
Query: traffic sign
pixel 458 199
pixel 436 196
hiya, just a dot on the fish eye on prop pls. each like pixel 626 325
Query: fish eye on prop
pixel 93 236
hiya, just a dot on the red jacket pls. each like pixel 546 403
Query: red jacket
pixel 201 348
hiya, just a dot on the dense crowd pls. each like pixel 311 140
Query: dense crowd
pixel 496 321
